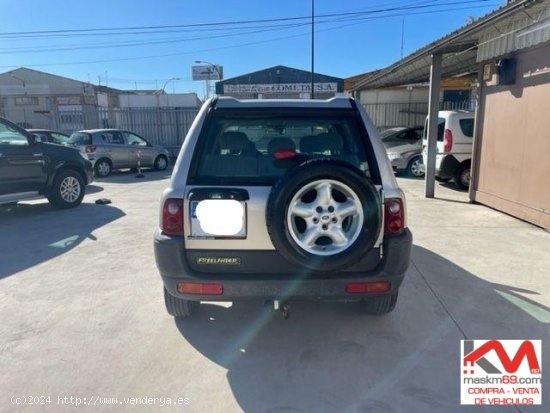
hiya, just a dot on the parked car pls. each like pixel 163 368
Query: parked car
pixel 404 148
pixel 110 149
pixel 31 169
pixel 46 135
pixel 314 214
pixel 455 133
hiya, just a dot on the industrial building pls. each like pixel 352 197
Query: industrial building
pixel 407 104
pixel 508 51
pixel 35 99
pixel 280 82
pixel 40 100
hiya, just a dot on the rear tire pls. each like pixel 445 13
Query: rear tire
pixel 462 177
pixel 179 307
pixel 67 190
pixel 379 305
pixel 161 163
pixel 413 168
pixel 103 168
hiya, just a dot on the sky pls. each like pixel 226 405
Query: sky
pixel 125 44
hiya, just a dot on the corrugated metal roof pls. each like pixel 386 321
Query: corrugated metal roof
pixel 460 48
pixel 351 81
pixel 279 74
pixel 493 43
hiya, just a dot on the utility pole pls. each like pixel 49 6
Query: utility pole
pixel 402 35
pixel 312 49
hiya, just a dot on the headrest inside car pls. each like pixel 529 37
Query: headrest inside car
pixel 276 144
pixel 234 141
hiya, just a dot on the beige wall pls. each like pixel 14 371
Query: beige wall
pixel 512 167
pixel 417 94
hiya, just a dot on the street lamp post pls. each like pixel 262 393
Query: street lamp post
pixel 168 81
pixel 214 67
pixel 161 90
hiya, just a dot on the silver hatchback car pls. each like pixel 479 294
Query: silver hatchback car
pixel 110 149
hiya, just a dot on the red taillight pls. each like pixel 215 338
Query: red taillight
pixel 172 216
pixel 89 148
pixel 200 288
pixel 394 216
pixel 368 287
pixel 447 141
pixel 284 154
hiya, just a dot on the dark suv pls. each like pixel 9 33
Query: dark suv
pixel 279 200
pixel 30 169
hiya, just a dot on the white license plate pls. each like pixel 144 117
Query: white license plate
pixel 222 219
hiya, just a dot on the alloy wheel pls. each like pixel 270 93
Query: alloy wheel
pixel 70 189
pixel 103 168
pixel 325 217
pixel 415 168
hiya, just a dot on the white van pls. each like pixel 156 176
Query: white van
pixel 455 131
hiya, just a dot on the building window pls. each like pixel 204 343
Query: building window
pixel 26 100
pixel 70 118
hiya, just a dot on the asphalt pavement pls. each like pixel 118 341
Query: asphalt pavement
pixel 82 318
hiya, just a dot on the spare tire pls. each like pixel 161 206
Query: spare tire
pixel 323 215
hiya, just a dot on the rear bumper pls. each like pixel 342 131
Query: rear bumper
pixel 173 267
pixel 399 164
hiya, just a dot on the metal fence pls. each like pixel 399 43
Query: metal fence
pixel 161 126
pixel 168 126
pixel 389 115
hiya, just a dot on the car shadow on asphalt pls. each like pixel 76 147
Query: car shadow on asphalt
pixel 330 357
pixel 452 185
pixel 93 189
pixel 405 175
pixel 454 201
pixel 34 233
pixel 129 176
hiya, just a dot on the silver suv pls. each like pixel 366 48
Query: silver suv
pixel 278 200
pixel 110 149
